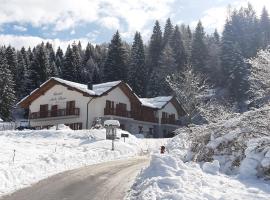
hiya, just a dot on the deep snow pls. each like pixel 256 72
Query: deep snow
pixel 244 138
pixel 39 154
pixel 169 178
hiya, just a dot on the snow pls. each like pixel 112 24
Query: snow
pixel 43 153
pixel 169 178
pixel 156 102
pixel 239 147
pixel 1 120
pixel 211 167
pixel 111 122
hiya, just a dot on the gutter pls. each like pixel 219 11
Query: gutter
pixel 88 111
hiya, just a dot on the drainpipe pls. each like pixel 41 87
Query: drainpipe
pixel 87 112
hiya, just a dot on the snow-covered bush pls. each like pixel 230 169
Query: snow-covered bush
pixel 260 77
pixel 234 143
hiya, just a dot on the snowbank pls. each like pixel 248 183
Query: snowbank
pixel 194 161
pixel 29 156
pixel 169 178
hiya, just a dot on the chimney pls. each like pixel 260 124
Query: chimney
pixel 90 86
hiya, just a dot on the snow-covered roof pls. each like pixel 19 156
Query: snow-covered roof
pixel 98 89
pixel 156 102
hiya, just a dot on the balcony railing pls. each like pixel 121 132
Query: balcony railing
pixel 169 121
pixel 55 113
pixel 116 112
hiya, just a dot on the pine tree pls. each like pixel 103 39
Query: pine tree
pixel 39 70
pixel 234 68
pixel 137 67
pixel 199 50
pixel 11 58
pixel 155 48
pixel 178 49
pixel 77 61
pixel 88 64
pixel 168 32
pixel 7 93
pixel 68 70
pixel 265 28
pixel 116 63
pixel 59 60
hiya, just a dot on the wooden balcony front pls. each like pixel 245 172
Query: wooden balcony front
pixel 169 121
pixel 117 112
pixel 55 113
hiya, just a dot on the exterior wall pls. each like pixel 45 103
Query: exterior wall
pixel 97 105
pixel 170 109
pixel 59 95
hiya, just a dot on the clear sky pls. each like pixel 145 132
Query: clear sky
pixel 27 22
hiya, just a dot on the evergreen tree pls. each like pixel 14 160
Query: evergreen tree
pixel 233 65
pixel 178 49
pixel 22 76
pixel 199 50
pixel 137 68
pixel 11 58
pixel 39 70
pixel 68 70
pixel 59 60
pixel 265 28
pixel 77 61
pixel 116 63
pixel 88 64
pixel 155 48
pixel 168 32
pixel 7 93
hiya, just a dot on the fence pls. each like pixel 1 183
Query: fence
pixel 7 126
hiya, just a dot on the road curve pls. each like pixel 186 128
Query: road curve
pixel 105 181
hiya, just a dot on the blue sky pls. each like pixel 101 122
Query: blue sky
pixel 27 22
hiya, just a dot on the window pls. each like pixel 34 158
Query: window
pixel 54 111
pixel 70 107
pixel 43 110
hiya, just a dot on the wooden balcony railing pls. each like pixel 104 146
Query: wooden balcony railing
pixel 55 113
pixel 169 121
pixel 116 112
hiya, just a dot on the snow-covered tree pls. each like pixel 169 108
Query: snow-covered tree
pixel 188 88
pixel 115 67
pixel 7 93
pixel 259 77
pixel 137 68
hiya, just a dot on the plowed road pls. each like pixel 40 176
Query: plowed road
pixel 108 181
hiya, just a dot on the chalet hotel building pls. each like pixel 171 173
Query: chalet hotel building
pixel 59 101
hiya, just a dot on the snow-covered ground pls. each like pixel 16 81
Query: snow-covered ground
pixel 39 154
pixel 169 178
pixel 238 147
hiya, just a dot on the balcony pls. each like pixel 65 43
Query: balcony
pixel 171 121
pixel 55 113
pixel 116 112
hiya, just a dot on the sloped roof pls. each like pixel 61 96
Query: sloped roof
pixel 156 102
pixel 98 89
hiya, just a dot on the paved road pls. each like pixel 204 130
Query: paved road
pixel 106 181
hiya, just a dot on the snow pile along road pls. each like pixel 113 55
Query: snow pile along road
pixel 169 178
pixel 29 156
pixel 197 160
